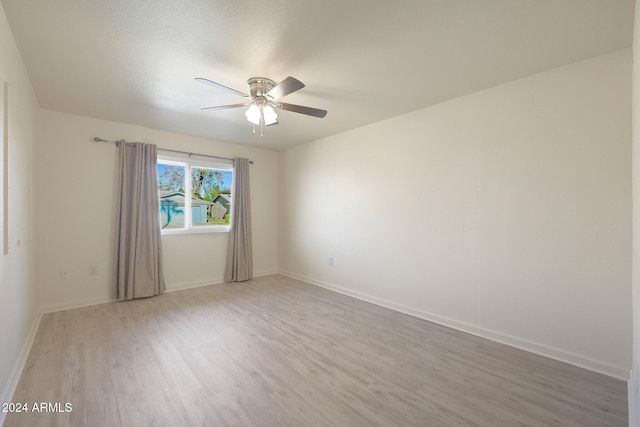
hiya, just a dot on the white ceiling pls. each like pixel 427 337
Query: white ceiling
pixel 362 60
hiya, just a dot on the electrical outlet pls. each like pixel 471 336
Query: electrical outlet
pixel 93 270
pixel 64 274
pixel 330 260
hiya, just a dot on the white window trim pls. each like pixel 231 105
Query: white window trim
pixel 189 164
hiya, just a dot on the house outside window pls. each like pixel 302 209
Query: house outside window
pixel 195 196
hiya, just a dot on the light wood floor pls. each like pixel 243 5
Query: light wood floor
pixel 277 352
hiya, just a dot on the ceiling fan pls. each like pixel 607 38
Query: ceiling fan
pixel 264 96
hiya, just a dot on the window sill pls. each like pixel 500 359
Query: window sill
pixel 203 230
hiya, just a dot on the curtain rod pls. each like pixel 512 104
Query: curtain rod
pixel 96 139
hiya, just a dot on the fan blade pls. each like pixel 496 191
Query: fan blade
pixel 285 87
pixel 309 111
pixel 224 107
pixel 219 86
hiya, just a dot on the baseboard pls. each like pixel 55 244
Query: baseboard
pixel 189 285
pixel 170 288
pixel 95 301
pixel 18 367
pixel 530 346
pixel 75 304
pixel 262 273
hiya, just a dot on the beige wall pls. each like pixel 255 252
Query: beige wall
pixel 634 382
pixel 18 290
pixel 76 217
pixel 506 213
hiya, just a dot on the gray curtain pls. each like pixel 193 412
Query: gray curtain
pixel 138 251
pixel 239 254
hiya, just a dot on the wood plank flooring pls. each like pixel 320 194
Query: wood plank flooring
pixel 277 352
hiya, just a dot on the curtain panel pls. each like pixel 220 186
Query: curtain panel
pixel 239 253
pixel 138 250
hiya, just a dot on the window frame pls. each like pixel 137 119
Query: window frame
pixel 189 164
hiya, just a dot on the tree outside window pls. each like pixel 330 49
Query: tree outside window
pixel 209 188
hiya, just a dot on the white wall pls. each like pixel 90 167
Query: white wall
pixel 76 215
pixel 18 290
pixel 506 213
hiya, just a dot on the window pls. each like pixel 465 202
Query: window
pixel 195 196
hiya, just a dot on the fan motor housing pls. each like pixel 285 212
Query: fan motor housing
pixel 259 86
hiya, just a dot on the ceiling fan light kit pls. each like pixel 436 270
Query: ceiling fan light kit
pixel 264 94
